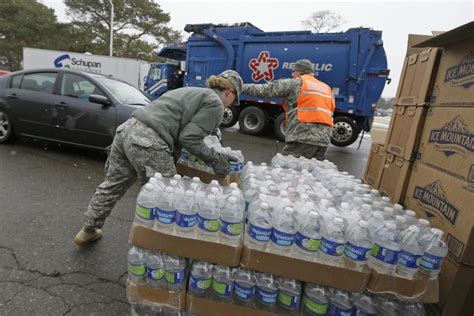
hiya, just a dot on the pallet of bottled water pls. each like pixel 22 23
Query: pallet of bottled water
pixel 189 218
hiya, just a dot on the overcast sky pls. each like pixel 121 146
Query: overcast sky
pixel 396 19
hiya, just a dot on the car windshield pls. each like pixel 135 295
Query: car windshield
pixel 124 92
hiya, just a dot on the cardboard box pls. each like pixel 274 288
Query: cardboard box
pixel 406 126
pixel 448 204
pixel 447 142
pixel 416 80
pixel 378 135
pixel 139 293
pixel 203 306
pixel 306 271
pixel 205 177
pixel 414 39
pixel 185 247
pixel 395 176
pixel 375 163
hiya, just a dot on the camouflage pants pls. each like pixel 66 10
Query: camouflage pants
pixel 305 150
pixel 137 152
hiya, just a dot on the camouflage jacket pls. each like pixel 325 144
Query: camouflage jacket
pixel 296 131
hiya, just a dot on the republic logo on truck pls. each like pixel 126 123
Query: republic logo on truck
pixel 454 137
pixel 263 67
pixel 65 61
pixel 461 74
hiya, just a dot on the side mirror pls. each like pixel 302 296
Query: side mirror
pixel 95 98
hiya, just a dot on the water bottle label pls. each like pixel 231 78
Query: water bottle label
pixel 185 220
pixel 175 277
pixel 164 216
pixel 245 293
pixel 231 228
pixel 259 234
pixel 431 262
pixel 336 311
pixel 144 212
pixel 289 301
pixel 409 260
pixel 282 238
pixel 266 297
pixel 306 243
pixel 385 254
pixel 316 308
pixel 234 166
pixel 209 225
pixel 331 248
pixel 155 274
pixel 359 313
pixel 222 289
pixel 199 283
pixel 356 253
pixel 137 269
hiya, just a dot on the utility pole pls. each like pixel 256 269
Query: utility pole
pixel 111 27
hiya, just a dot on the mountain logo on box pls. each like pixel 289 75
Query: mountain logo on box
pixel 434 197
pixel 462 74
pixel 454 137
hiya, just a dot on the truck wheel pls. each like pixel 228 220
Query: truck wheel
pixel 231 116
pixel 345 131
pixel 252 120
pixel 6 127
pixel 279 127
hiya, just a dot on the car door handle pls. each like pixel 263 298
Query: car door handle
pixel 12 96
pixel 61 105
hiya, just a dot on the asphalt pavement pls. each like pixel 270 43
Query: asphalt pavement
pixel 45 189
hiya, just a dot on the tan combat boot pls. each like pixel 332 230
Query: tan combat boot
pixel 87 235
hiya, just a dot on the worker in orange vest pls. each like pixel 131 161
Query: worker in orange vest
pixel 310 107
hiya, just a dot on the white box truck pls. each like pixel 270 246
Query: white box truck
pixel 133 71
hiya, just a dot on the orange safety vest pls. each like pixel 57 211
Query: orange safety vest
pixel 316 102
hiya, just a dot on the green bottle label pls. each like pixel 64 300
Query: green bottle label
pixel 138 270
pixel 315 307
pixel 143 212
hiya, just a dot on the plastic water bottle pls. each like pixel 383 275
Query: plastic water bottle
pixel 436 250
pixel 412 250
pixel 333 239
pixel 237 166
pixel 315 300
pixel 289 292
pixel 259 228
pixel 308 237
pixel 244 286
pixel 411 309
pixel 424 226
pixel 175 272
pixel 376 222
pixel 385 306
pixel 232 216
pixel 386 249
pixel 145 208
pixel 284 231
pixel 200 279
pixel 136 265
pixel 155 272
pixel 222 283
pixel 358 246
pixel 411 217
pixel 339 303
pixel 363 305
pixel 208 219
pixel 186 214
pixel 250 195
pixel 266 291
pixel 166 211
pixel 401 222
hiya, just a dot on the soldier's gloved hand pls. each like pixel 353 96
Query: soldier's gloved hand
pixel 221 164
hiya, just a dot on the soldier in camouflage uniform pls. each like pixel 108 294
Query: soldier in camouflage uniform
pixel 145 143
pixel 309 140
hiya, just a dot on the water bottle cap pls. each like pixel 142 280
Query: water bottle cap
pixel 173 182
pixel 289 209
pixel 189 193
pixel 234 185
pixel 413 228
pixel 410 213
pixel 313 214
pixel 391 225
pixel 169 189
pixel 338 220
pixel 400 218
pixel 437 231
pixel 196 179
pixel 363 224
pixel 211 197
pixel 232 199
pixel 332 210
pixel 153 180
pixel 388 209
pixel 286 201
pixel 250 162
pixel 345 205
pixel 284 193
pixel 149 186
pixel 398 207
pixel 214 182
pixel 158 175
pixel 264 205
pixel 423 222
pixel 385 199
pixel 214 190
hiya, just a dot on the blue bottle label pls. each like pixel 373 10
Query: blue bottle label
pixel 175 277
pixel 408 259
pixel 307 243
pixel 266 297
pixel 209 225
pixel 431 262
pixel 245 293
pixel 331 248
pixel 185 220
pixel 155 274
pixel 386 255
pixel 200 284
pixel 289 301
pixel 282 238
pixel 360 313
pixel 356 253
pixel 259 234
pixel 164 216
pixel 337 311
pixel 223 289
pixel 231 228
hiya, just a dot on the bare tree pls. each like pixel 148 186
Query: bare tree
pixel 323 21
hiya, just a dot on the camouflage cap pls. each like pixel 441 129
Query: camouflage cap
pixel 304 66
pixel 236 80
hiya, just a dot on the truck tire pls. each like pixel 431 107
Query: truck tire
pixel 231 117
pixel 252 120
pixel 279 127
pixel 345 131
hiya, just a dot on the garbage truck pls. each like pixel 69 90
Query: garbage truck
pixel 353 63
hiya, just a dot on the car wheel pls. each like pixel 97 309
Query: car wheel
pixel 231 116
pixel 6 127
pixel 252 120
pixel 345 131
pixel 279 127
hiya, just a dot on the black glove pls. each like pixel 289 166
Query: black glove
pixel 221 164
